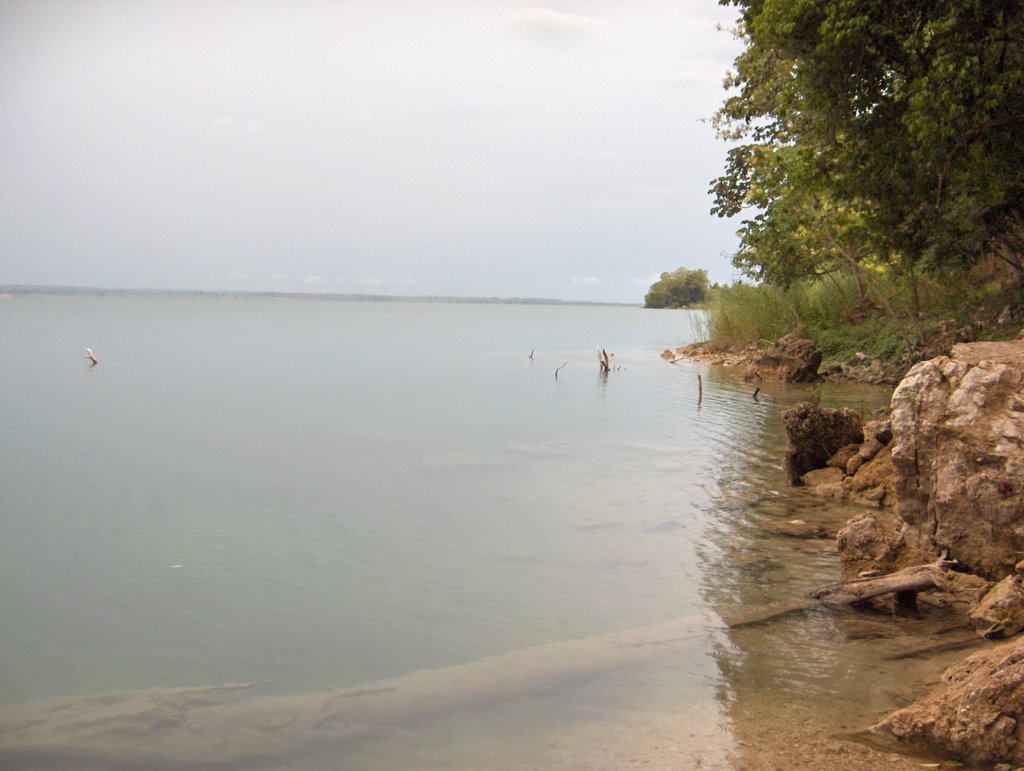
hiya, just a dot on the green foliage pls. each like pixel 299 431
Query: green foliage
pixel 679 289
pixel 873 130
pixel 876 337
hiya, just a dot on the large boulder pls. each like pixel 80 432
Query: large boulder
pixel 958 455
pixel 814 434
pixel 1000 613
pixel 978 718
pixel 791 359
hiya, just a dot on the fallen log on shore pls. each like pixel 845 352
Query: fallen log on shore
pixel 903 585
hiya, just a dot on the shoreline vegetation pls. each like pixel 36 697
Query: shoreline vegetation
pixel 743 321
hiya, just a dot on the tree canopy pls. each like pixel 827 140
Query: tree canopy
pixel 873 130
pixel 678 289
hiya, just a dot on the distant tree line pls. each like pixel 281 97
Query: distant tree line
pixel 679 289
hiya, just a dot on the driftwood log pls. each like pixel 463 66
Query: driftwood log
pixel 903 585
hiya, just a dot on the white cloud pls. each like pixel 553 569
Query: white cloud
pixel 588 281
pixel 255 127
pixel 248 126
pixel 241 276
pixel 647 281
pixel 317 279
pixel 615 203
pixel 685 79
pixel 654 191
pixel 559 29
pixel 636 198
pixel 376 281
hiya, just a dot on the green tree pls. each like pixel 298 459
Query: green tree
pixel 678 289
pixel 881 129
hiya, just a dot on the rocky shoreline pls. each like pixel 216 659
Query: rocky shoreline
pixel 943 474
pixel 794 360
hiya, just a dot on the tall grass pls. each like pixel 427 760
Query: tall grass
pixel 745 314
pixel 898 319
pixel 741 314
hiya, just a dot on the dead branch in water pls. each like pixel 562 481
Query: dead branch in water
pixel 556 371
pixel 90 357
pixel 903 585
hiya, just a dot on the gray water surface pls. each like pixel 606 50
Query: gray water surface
pixel 411 542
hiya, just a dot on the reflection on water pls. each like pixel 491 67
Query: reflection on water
pixel 406 541
pixel 803 673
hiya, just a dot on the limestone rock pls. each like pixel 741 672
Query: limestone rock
pixel 873 482
pixel 879 429
pixel 825 481
pixel 842 456
pixel 958 455
pixel 1000 613
pixel 966 591
pixel 866 544
pixel 814 434
pixel 791 359
pixel 870 543
pixel 978 718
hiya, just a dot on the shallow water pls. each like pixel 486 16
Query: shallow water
pixel 412 542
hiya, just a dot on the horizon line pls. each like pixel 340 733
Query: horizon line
pixel 58 289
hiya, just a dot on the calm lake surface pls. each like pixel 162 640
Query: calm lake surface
pixel 413 544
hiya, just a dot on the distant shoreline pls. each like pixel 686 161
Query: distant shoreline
pixel 28 290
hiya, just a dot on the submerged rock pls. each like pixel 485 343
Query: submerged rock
pixel 978 718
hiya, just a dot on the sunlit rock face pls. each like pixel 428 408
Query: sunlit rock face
pixel 958 455
pixel 977 716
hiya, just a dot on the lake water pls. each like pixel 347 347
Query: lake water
pixel 411 542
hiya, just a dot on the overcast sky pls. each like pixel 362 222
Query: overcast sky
pixel 430 147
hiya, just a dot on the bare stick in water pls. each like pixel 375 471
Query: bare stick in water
pixel 700 390
pixel 90 357
pixel 756 391
pixel 556 371
pixel 531 354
